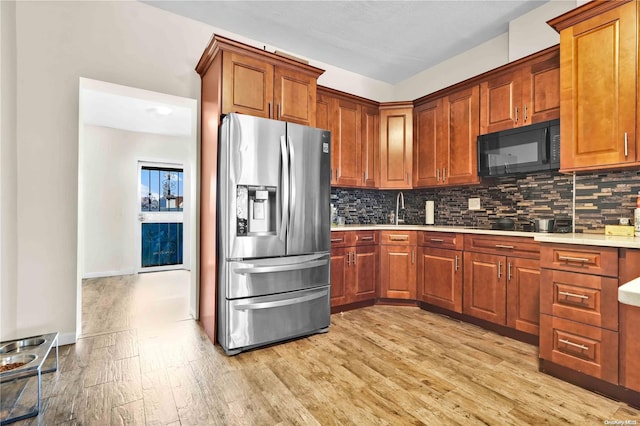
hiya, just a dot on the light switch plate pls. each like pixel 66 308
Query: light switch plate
pixel 474 203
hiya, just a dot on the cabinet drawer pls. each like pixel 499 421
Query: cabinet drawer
pixel 342 238
pixel 589 299
pixel 583 259
pixel 366 238
pixel 508 246
pixel 398 237
pixel 584 348
pixel 445 240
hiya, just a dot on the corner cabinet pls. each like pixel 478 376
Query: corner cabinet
pixel 398 264
pixel 598 86
pixel 354 127
pixel 522 93
pixel 446 130
pixel 240 78
pixel 396 145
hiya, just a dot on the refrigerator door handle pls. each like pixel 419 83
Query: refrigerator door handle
pixel 284 192
pixel 281 268
pixel 279 303
pixel 292 183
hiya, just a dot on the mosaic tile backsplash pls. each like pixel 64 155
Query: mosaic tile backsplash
pixel 601 199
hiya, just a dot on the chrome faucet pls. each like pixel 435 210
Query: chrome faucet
pixel 399 200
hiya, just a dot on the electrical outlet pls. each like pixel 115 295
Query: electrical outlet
pixel 474 203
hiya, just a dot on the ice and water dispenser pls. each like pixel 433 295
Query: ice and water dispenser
pixel 256 210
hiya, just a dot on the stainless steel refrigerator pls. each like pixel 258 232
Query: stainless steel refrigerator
pixel 274 232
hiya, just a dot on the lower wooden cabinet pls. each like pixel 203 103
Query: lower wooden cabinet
pixel 502 289
pixel 587 349
pixel 354 267
pixel 439 277
pixel 398 265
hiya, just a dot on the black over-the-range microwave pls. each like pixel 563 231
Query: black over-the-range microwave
pixel 526 149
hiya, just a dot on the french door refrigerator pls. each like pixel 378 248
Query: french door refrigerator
pixel 274 232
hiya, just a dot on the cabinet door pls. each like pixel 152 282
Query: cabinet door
pixel 398 272
pixel 340 275
pixel 501 102
pixel 484 287
pixel 598 91
pixel 396 147
pixel 440 277
pixel 428 131
pixel 295 96
pixel 346 143
pixel 541 89
pixel 323 119
pixel 365 264
pixel 458 149
pixel 523 295
pixel 369 144
pixel 247 85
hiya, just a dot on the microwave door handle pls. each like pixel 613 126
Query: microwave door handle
pixel 547 145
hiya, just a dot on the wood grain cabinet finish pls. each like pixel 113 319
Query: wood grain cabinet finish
pixel 523 93
pixel 584 348
pixel 589 299
pixel 579 304
pixel 354 267
pixel 396 146
pixel 354 127
pixel 446 130
pixel 582 259
pixel 629 319
pixel 598 55
pixel 502 281
pixel 439 277
pixel 398 252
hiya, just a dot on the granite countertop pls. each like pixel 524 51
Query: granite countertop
pixel 577 238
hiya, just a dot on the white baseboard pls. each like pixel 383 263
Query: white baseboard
pixel 66 338
pixel 103 274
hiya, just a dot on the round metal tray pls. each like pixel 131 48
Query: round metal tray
pixel 21 345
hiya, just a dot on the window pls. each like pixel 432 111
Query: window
pixel 161 189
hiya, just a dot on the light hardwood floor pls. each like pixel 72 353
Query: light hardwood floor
pixel 382 365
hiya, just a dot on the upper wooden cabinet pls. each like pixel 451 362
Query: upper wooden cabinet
pixel 599 57
pixel 353 123
pixel 524 92
pixel 259 83
pixel 396 145
pixel 446 131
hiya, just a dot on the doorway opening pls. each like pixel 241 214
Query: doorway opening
pixel 137 204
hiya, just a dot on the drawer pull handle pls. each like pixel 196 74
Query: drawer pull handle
pixel 336 240
pixel 503 246
pixel 579 296
pixel 437 240
pixel 399 237
pixel 367 238
pixel 573 259
pixel 575 345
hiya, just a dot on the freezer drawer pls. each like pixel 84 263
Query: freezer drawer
pixel 258 321
pixel 259 277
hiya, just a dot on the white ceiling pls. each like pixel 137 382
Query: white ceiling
pixel 386 40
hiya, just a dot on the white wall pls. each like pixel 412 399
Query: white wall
pixel 110 193
pixel 127 43
pixel 530 32
pixel 8 172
